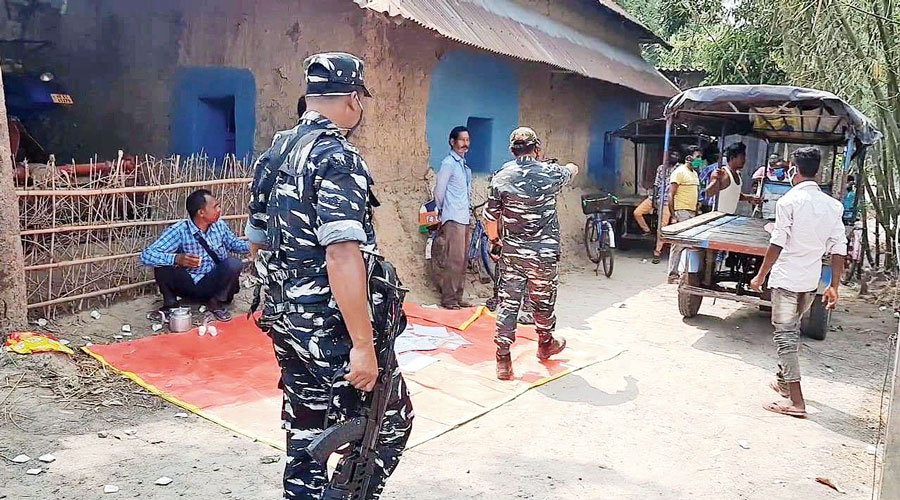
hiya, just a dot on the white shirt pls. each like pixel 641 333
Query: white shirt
pixel 807 226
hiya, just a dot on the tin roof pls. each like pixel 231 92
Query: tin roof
pixel 508 28
pixel 647 35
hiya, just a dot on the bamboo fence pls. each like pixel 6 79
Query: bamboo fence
pixel 83 235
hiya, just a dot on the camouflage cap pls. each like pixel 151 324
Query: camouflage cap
pixel 334 73
pixel 523 136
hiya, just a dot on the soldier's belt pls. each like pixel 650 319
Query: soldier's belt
pixel 292 307
pixel 286 274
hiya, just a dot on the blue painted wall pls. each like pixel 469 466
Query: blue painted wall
pixel 196 125
pixel 467 84
pixel 604 157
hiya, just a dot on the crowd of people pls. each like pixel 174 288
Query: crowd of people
pixel 313 242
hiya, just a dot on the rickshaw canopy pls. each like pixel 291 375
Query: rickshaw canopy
pixel 777 113
pixel 653 130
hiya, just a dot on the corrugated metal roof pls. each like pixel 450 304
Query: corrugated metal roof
pixel 508 28
pixel 648 35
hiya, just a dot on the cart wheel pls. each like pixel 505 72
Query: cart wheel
pixel 620 225
pixel 815 322
pixel 689 305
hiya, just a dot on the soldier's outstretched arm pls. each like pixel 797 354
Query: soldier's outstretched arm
pixel 562 174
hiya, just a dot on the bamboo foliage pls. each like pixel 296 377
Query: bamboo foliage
pixel 82 236
pixel 851 49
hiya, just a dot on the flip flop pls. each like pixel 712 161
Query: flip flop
pixel 222 315
pixel 784 410
pixel 775 387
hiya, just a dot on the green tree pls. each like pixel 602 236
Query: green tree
pixel 733 44
pixel 852 49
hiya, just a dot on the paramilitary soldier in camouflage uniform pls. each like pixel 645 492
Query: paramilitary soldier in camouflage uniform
pixel 523 197
pixel 320 240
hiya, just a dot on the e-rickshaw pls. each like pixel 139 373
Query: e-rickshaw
pixel 724 251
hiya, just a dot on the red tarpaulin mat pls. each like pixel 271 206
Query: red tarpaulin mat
pixel 232 378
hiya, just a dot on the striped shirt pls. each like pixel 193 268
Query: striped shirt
pixel 180 238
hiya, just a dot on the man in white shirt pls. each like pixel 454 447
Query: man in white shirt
pixel 807 226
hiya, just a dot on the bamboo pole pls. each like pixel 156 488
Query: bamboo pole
pixel 115 225
pixel 130 190
pixel 76 262
pixel 62 300
pixel 90 260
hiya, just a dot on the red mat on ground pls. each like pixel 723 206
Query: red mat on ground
pixel 232 378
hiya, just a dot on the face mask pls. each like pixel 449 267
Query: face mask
pixel 351 130
pixel 697 163
pixel 792 172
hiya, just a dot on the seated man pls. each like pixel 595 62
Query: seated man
pixel 190 258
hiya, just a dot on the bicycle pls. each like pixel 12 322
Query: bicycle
pixel 478 256
pixel 478 253
pixel 599 233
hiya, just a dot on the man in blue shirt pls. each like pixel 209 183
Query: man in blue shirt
pixel 452 195
pixel 190 259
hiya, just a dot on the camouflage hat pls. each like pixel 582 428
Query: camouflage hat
pixel 523 136
pixel 334 73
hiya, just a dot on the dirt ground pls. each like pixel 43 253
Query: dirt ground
pixel 661 420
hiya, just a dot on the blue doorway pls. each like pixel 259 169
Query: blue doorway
pixel 480 91
pixel 481 134
pixel 214 112
pixel 216 128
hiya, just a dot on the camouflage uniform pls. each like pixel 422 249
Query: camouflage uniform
pixel 321 194
pixel 523 198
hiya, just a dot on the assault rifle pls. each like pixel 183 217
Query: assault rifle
pixel 357 438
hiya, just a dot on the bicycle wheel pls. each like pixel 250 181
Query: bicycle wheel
pixel 477 261
pixel 487 263
pixel 607 254
pixel 591 241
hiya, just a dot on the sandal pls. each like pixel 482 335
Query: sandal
pixel 784 410
pixel 655 259
pixel 775 386
pixel 222 315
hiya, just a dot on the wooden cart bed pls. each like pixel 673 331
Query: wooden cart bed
pixel 720 231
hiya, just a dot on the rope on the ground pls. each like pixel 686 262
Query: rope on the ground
pixel 510 399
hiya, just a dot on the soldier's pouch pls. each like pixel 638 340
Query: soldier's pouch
pixel 323 334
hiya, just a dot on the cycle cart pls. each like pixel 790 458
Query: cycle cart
pixel 725 251
pixel 648 137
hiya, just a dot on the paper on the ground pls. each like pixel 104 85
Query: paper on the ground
pixel 412 361
pixel 427 338
pixel 438 332
pixel 406 342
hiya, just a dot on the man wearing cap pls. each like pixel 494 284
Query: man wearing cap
pixel 320 237
pixel 523 197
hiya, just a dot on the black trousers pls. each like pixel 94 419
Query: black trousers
pixel 220 284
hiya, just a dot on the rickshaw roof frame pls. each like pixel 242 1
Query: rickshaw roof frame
pixel 657 126
pixel 772 112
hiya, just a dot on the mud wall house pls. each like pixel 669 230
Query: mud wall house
pixel 221 76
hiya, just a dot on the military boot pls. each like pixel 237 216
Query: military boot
pixel 555 346
pixel 504 367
